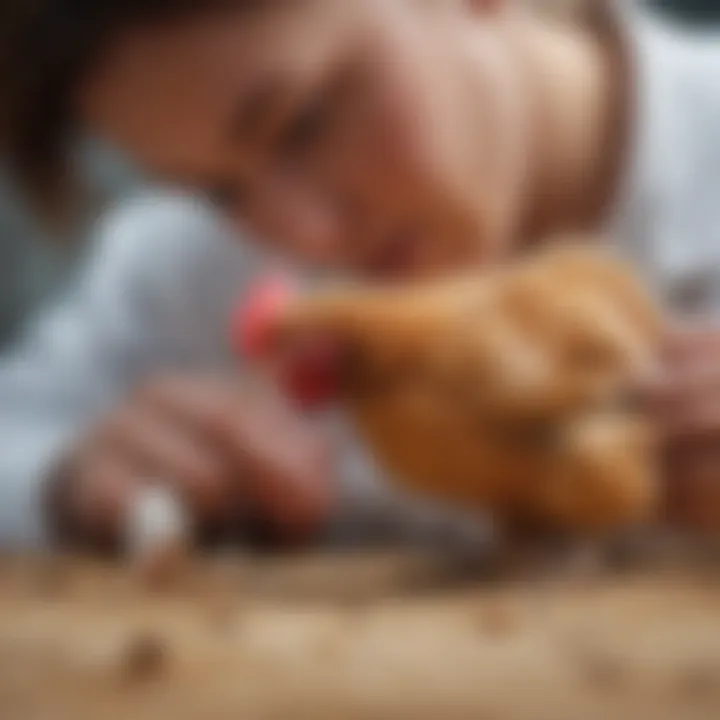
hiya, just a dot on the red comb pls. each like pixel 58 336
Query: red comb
pixel 307 371
pixel 256 317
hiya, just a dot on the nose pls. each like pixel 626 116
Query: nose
pixel 302 218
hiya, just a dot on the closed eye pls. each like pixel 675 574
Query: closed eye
pixel 318 115
pixel 305 130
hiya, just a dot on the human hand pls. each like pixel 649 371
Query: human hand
pixel 233 453
pixel 685 400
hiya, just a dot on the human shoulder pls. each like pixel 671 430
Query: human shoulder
pixel 160 239
pixel 161 232
pixel 668 215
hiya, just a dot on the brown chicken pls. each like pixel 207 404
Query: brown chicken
pixel 510 390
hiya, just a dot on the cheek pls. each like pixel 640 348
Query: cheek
pixel 418 139
pixel 376 151
pixel 498 115
pixel 382 143
pixel 470 154
pixel 404 138
pixel 406 128
pixel 444 160
pixel 387 155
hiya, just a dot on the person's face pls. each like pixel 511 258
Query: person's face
pixel 382 137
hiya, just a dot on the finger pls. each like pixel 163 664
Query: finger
pixel 101 498
pixel 285 460
pixel 277 460
pixel 162 449
pixel 287 474
pixel 688 401
pixel 693 490
pixel 296 499
pixel 683 387
pixel 697 420
pixel 212 409
pixel 206 407
pixel 690 339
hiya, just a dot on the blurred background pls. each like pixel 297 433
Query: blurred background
pixel 34 267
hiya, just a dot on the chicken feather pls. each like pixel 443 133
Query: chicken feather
pixel 507 390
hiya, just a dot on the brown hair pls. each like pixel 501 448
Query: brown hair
pixel 46 48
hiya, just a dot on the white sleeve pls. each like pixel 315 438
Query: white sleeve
pixel 128 313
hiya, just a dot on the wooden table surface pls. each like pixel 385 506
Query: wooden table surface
pixel 354 638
